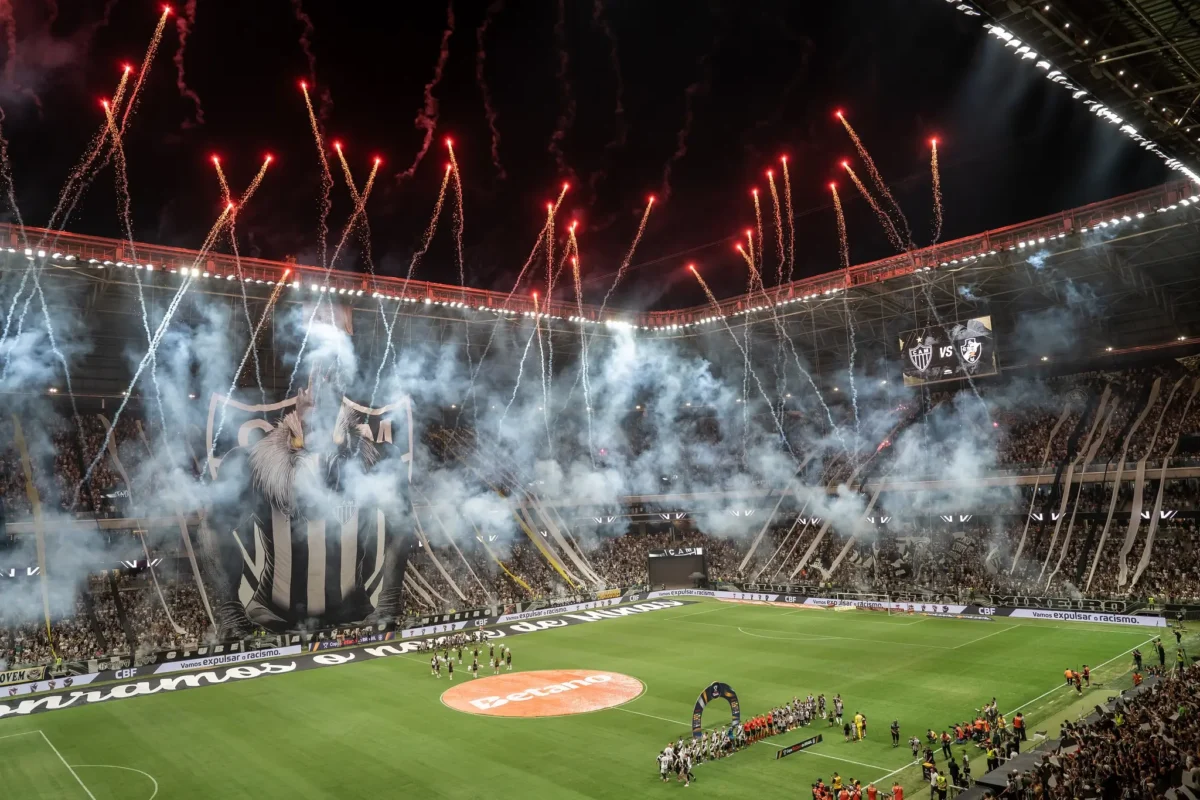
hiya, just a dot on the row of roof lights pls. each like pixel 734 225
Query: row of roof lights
pixel 194 272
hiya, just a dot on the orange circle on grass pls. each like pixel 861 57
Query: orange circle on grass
pixel 543 693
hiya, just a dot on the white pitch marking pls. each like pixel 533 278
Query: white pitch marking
pixel 651 716
pixel 987 636
pixel 15 735
pixel 128 769
pixel 787 638
pixel 71 769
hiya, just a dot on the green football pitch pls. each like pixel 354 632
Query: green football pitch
pixel 379 728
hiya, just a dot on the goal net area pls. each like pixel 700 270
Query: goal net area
pixel 839 602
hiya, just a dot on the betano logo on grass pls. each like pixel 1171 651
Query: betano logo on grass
pixel 545 693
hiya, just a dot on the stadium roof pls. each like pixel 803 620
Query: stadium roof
pixel 1132 258
pixel 1141 58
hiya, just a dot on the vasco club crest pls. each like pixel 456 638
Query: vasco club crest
pixel 971 349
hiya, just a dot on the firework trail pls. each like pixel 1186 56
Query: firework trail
pixel 888 227
pixel 159 332
pixel 537 327
pixel 543 235
pixel 426 240
pixel 9 22
pixel 77 177
pixel 459 222
pixel 637 237
pixel 877 178
pixel 758 230
pixel 520 371
pixel 745 347
pixel 844 250
pixel 10 195
pixel 183 25
pixel 359 209
pixel 784 338
pixel 427 117
pixel 791 220
pixel 717 311
pixel 126 213
pixel 695 90
pixel 750 245
pixel 306 34
pixel 237 261
pixel 843 241
pixel 778 227
pixel 364 224
pixel 73 187
pixel 489 111
pixel 599 20
pixel 937 191
pixel 566 117
pixel 583 340
pixel 326 178
pixel 147 60
pixel 745 256
pixel 250 348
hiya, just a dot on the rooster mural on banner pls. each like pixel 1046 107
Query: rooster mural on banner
pixel 309 523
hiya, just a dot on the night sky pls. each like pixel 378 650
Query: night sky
pixel 763 77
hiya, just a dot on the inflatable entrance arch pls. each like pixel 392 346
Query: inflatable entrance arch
pixel 714 691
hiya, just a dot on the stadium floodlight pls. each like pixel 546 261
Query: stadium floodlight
pixel 28 251
pixel 206 274
pixel 1141 215
pixel 56 255
pixel 70 258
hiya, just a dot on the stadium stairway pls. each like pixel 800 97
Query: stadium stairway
pixel 89 608
pixel 122 617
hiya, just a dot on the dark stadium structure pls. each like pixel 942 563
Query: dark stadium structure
pixel 1122 270
pixel 1139 57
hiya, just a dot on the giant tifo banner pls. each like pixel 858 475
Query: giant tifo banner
pixel 286 553
pixel 932 609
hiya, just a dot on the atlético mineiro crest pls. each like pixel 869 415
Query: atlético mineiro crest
pixel 345 512
pixel 971 350
pixel 920 356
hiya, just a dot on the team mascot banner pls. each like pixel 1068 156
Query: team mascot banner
pixel 308 522
pixel 713 692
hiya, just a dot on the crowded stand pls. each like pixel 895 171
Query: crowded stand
pixel 129 612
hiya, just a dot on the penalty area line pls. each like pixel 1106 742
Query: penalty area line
pixel 70 769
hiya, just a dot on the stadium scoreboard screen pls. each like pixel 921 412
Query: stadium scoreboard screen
pixel 948 352
pixel 675 567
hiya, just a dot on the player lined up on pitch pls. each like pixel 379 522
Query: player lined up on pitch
pixel 498 659
pixel 680 757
